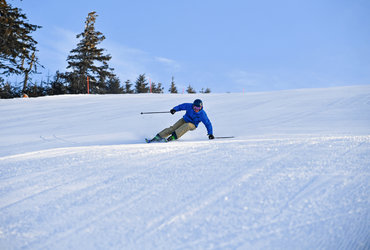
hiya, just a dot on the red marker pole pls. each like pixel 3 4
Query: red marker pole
pixel 88 85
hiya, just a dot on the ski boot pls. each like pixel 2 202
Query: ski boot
pixel 172 137
pixel 156 138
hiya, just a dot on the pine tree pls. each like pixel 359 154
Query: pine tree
pixel 6 90
pixel 35 90
pixel 173 88
pixel 141 86
pixel 114 86
pixel 190 90
pixel 127 89
pixel 57 85
pixel 207 91
pixel 158 89
pixel 88 60
pixel 17 47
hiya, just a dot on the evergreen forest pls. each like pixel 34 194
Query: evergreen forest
pixel 88 70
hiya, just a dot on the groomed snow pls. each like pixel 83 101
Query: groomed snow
pixel 75 172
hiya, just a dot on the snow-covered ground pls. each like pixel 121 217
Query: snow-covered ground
pixel 75 173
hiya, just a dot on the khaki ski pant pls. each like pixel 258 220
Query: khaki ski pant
pixel 180 128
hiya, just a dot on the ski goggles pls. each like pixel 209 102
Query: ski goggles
pixel 197 109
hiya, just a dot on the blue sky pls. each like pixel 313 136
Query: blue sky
pixel 227 46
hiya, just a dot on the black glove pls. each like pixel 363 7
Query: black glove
pixel 211 137
pixel 173 111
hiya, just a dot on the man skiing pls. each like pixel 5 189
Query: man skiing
pixel 193 116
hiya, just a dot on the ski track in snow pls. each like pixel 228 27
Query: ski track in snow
pixel 305 189
pixel 257 202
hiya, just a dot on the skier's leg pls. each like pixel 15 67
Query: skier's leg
pixel 184 128
pixel 181 131
pixel 168 131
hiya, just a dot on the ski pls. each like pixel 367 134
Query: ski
pixel 154 141
pixel 164 140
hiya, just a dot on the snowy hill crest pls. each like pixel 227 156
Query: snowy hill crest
pixel 75 172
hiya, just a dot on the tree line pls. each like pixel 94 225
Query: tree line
pixel 88 68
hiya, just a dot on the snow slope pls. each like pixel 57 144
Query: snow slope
pixel 75 173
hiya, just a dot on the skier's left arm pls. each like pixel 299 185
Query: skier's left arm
pixel 208 125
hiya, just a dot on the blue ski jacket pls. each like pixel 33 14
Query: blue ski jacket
pixel 195 117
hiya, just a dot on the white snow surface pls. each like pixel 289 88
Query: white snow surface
pixel 75 172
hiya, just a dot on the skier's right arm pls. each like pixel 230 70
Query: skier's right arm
pixel 179 107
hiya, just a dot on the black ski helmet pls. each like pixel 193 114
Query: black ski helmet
pixel 198 103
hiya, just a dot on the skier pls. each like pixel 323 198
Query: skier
pixel 193 116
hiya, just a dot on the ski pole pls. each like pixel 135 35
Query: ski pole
pixel 157 112
pixel 224 137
